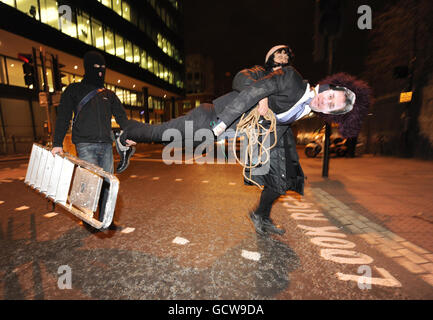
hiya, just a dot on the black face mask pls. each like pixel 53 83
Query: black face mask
pixel 91 75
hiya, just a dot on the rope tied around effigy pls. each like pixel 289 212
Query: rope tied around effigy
pixel 257 134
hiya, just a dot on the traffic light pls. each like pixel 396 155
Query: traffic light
pixel 29 69
pixel 57 74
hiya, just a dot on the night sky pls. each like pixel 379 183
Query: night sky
pixel 238 33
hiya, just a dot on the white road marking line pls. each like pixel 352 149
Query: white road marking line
pixel 128 230
pixel 50 214
pixel 22 208
pixel 179 179
pixel 180 240
pixel 251 255
pixel 155 178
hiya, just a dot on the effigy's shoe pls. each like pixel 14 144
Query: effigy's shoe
pixel 258 223
pixel 269 226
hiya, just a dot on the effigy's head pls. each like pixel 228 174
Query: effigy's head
pixel 357 97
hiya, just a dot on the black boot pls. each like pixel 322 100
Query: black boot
pixel 269 226
pixel 125 155
pixel 258 223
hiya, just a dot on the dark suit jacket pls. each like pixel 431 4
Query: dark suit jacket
pixel 284 87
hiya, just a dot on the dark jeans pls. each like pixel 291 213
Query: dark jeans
pixel 100 154
pixel 267 198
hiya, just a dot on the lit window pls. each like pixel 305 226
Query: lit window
pixel 106 3
pixel 128 51
pixel 29 7
pixel 164 45
pixel 69 26
pixel 84 33
pixel 143 59
pixel 136 54
pixel 127 94
pixel 2 72
pixel 50 79
pixel 134 99
pixel 159 38
pixel 50 13
pixel 119 94
pixel 120 50
pixel 126 12
pixel 150 64
pixel 15 72
pixel 117 7
pixel 9 2
pixel 97 34
pixel 109 41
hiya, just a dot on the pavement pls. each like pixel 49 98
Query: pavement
pixel 388 201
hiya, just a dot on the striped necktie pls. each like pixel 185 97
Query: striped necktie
pixel 294 114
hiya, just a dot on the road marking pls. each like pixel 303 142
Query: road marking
pixel 50 214
pixel 178 179
pixel 205 181
pixel 155 178
pixel 180 240
pixel 335 243
pixel 128 230
pixel 336 248
pixel 251 255
pixel 22 208
pixel 409 256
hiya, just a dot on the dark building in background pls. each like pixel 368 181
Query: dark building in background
pixel 400 60
pixel 199 82
pixel 142 42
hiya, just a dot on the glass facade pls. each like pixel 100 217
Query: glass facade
pixel 15 74
pixel 84 33
pixel 98 35
pixel 11 73
pixel 109 41
pixel 78 24
pixel 49 13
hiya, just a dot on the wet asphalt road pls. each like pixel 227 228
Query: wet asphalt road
pixel 206 206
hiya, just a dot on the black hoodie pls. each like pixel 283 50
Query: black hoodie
pixel 93 123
